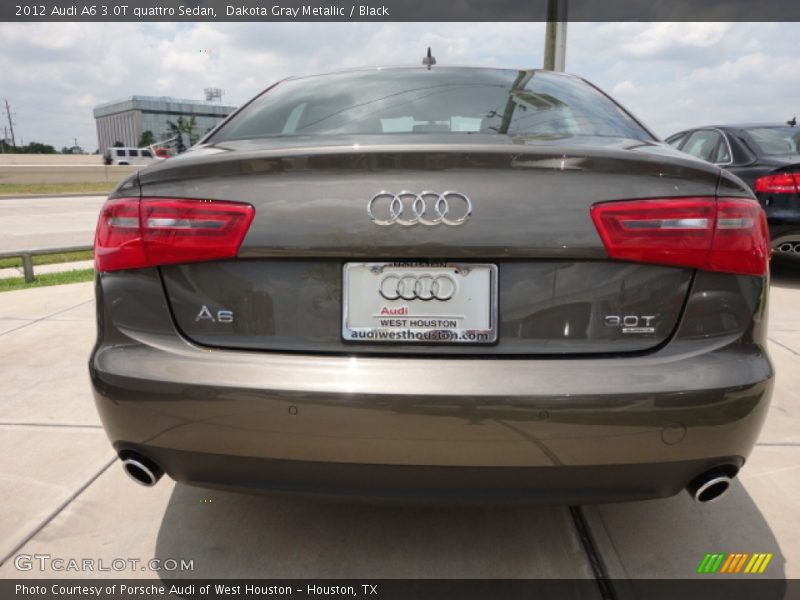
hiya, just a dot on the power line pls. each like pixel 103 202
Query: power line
pixel 10 124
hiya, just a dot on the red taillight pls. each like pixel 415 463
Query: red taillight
pixel 717 234
pixel 118 240
pixel 779 183
pixel 134 233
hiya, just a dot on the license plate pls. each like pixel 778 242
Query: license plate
pixel 407 303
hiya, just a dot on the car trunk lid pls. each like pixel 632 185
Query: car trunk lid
pixel 557 293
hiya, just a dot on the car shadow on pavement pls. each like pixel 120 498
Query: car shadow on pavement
pixel 248 536
pixel 669 538
pixel 785 271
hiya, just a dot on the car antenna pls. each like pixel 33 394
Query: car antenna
pixel 429 60
pixel 793 122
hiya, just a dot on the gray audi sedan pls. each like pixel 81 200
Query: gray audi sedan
pixel 436 284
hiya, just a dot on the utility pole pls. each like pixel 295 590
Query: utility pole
pixel 10 125
pixel 555 36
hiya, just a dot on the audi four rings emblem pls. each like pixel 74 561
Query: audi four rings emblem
pixel 418 287
pixel 426 208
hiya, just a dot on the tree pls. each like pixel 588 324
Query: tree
pixel 118 144
pixel 189 127
pixel 147 138
pixel 183 127
pixel 36 148
pixel 175 132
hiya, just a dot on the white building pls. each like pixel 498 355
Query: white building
pixel 125 120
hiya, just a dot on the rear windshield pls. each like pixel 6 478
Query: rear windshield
pixel 774 141
pixel 408 101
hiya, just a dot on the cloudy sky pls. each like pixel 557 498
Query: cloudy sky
pixel 671 75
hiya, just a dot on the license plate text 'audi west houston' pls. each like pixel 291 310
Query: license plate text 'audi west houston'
pixel 408 303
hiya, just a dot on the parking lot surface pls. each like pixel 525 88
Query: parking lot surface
pixel 65 495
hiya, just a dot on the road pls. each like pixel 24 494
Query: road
pixel 65 495
pixel 30 223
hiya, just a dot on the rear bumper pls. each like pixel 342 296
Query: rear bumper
pixel 583 430
pixel 451 485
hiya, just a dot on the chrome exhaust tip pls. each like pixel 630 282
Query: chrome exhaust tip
pixel 142 470
pixel 709 486
pixel 785 248
pixel 796 249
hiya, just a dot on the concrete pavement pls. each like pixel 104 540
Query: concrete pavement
pixel 65 495
pixel 31 223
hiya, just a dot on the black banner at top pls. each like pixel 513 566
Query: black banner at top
pixel 396 10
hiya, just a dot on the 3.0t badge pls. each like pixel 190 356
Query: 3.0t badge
pixel 632 323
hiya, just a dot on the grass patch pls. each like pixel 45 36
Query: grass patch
pixel 14 189
pixel 18 283
pixel 48 259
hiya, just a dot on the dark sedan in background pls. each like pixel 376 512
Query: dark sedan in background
pixel 767 158
pixel 457 284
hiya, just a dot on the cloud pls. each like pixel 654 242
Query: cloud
pixel 662 40
pixel 679 75
pixel 673 75
pixel 626 87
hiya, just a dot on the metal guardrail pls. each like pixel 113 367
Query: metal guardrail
pixel 27 257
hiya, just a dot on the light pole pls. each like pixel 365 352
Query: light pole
pixel 555 37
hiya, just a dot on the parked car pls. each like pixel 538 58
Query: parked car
pixel 129 156
pixel 455 284
pixel 767 158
